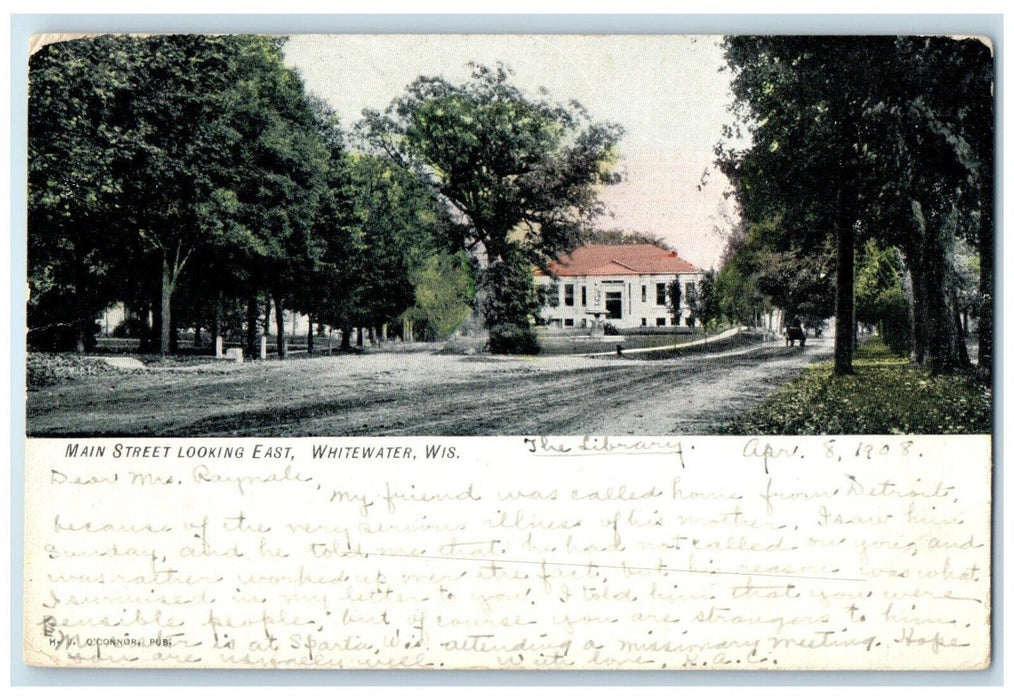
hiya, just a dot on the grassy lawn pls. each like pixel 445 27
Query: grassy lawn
pixel 576 342
pixel 887 394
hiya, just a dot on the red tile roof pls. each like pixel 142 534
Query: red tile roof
pixel 627 259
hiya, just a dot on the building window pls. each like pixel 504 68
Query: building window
pixel 659 321
pixel 644 322
pixel 644 293
pixel 554 295
pixel 568 295
pixel 584 296
pixel 691 291
pixel 660 294
pixel 614 304
pixel 568 322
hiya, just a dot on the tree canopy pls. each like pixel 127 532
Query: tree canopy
pixel 149 153
pixel 859 138
pixel 181 144
pixel 521 175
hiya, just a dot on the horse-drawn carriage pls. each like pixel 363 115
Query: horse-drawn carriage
pixel 793 332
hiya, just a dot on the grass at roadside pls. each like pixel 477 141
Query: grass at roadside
pixel 887 394
pixel 579 342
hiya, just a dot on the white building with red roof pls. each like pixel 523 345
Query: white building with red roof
pixel 624 285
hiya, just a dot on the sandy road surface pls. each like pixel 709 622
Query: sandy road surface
pixel 424 394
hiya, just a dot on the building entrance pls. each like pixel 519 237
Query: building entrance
pixel 614 304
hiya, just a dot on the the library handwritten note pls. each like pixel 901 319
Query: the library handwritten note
pixel 510 553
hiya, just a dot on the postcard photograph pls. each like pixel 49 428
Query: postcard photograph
pixel 533 352
pixel 498 235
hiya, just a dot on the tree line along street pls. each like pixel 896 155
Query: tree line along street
pixel 196 181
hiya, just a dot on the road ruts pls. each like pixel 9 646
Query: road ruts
pixel 689 395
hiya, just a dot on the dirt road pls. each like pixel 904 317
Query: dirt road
pixel 414 393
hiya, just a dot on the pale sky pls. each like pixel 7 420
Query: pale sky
pixel 666 91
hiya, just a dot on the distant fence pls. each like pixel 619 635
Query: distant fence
pixel 295 345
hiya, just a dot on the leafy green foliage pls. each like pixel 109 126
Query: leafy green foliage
pixel 738 284
pixel 444 291
pixel 759 273
pixel 73 188
pixel 399 222
pixel 279 178
pixel 178 145
pixel 520 174
pixel 615 236
pixel 880 299
pixel 873 137
pixel 887 394
pixel 674 299
pixel 739 296
pixel 510 304
pixel 704 304
pixel 330 288
pixel 503 160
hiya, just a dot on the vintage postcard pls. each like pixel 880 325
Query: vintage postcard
pixel 533 352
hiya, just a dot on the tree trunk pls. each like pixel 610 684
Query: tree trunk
pixel 165 305
pixel 986 289
pixel 921 286
pixel 309 335
pixel 845 300
pixel 216 323
pixel 144 332
pixel 83 323
pixel 908 290
pixel 963 358
pixel 346 338
pixel 267 314
pixel 174 331
pixel 251 325
pixel 280 344
pixel 920 307
pixel 156 318
pixel 943 329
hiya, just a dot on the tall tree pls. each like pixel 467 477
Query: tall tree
pixel 674 299
pixel 881 300
pixel 933 126
pixel 73 188
pixel 738 284
pixel 867 137
pixel 178 144
pixel 401 224
pixel 282 166
pixel 763 268
pixel 801 99
pixel 444 289
pixel 179 156
pixel 521 174
pixel 703 303
pixel 328 289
